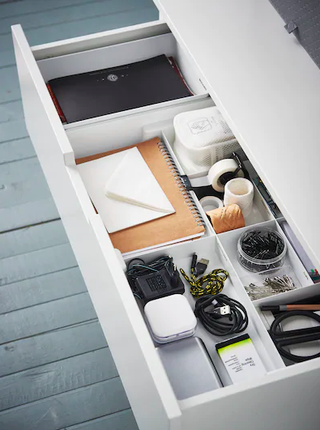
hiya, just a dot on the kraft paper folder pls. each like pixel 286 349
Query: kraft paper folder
pixel 186 223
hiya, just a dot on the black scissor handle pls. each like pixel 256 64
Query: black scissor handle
pixel 294 337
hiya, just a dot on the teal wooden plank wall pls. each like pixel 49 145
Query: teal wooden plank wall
pixel 56 371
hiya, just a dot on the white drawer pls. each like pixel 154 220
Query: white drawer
pixel 260 404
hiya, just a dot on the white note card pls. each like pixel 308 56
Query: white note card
pixel 124 190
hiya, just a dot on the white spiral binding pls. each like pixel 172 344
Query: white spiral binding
pixel 185 193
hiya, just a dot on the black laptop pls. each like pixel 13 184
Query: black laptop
pixel 120 88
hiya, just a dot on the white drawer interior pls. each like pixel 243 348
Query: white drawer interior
pixel 120 54
pixel 220 250
pixel 120 130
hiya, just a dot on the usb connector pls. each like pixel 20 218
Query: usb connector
pixel 224 310
pixel 201 266
pixel 218 312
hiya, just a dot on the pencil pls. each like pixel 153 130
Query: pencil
pixel 282 308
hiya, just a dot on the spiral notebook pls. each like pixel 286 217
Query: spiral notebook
pixel 186 223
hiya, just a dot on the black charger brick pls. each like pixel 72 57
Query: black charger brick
pixel 159 284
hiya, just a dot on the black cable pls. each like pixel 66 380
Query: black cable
pixel 294 337
pixel 153 280
pixel 137 267
pixel 217 318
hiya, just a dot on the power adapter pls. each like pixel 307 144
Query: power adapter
pixel 160 278
pixel 159 284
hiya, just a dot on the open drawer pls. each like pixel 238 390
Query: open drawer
pixel 256 404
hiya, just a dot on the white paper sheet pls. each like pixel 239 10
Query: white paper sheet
pixel 138 197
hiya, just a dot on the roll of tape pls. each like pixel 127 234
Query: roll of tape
pixel 228 165
pixel 239 191
pixel 211 202
pixel 226 218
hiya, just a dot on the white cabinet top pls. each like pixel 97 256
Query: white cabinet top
pixel 268 89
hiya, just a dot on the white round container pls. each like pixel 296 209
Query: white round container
pixel 202 137
pixel 239 191
pixel 210 203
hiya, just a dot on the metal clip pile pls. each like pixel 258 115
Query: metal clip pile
pixel 270 287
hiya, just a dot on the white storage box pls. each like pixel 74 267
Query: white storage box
pixel 202 137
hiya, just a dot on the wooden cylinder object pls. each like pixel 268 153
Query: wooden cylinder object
pixel 226 218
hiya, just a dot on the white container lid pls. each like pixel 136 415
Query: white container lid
pixel 200 128
pixel 170 318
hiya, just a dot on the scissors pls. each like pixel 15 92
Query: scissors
pixel 283 339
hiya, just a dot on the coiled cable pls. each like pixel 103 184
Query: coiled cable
pixel 221 315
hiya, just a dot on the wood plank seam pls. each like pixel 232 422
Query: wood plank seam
pixel 14 161
pixel 32 238
pixel 5 102
pixel 47 331
pixel 30 225
pixel 50 362
pixel 79 426
pixel 54 361
pixel 73 266
pixel 65 392
pixel 92 321
pixel 102 416
pixel 36 276
pixel 88 320
pixel 42 303
pixel 23 136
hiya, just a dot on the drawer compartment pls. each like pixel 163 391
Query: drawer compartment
pixel 121 54
pixel 208 248
pixel 116 133
pixel 291 266
pixel 93 137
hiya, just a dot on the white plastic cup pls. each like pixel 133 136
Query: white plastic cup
pixel 211 202
pixel 239 191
